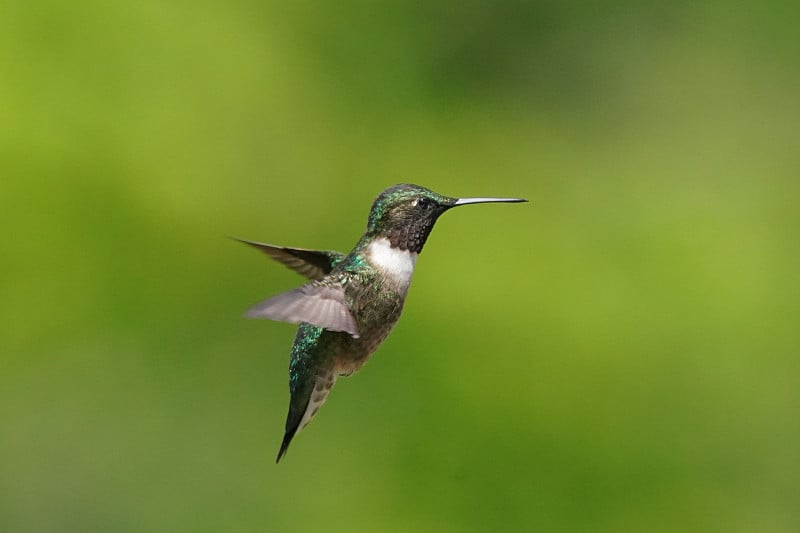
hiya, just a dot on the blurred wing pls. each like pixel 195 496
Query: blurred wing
pixel 313 264
pixel 314 303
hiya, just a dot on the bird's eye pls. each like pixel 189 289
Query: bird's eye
pixel 423 203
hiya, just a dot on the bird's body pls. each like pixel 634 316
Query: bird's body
pixel 353 301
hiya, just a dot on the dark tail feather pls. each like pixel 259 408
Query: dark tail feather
pixel 287 438
pixel 292 425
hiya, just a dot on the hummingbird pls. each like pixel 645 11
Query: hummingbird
pixel 352 301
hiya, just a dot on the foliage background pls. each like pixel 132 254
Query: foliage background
pixel 619 354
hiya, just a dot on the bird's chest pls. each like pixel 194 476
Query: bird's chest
pixel 396 266
pixel 376 319
pixel 377 301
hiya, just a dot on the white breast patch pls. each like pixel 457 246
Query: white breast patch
pixel 396 264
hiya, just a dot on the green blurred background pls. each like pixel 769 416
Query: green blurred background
pixel 621 354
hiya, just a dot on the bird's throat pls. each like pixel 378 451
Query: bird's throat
pixel 394 263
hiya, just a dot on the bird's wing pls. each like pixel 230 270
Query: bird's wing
pixel 313 264
pixel 319 304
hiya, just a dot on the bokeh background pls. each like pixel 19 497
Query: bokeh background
pixel 620 354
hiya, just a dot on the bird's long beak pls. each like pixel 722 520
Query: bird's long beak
pixel 465 201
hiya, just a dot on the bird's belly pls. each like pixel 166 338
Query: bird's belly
pixel 376 317
pixel 356 352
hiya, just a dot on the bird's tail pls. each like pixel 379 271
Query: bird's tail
pixel 297 419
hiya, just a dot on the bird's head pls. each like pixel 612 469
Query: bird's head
pixel 405 214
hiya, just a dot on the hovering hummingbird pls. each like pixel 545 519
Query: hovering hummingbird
pixel 352 301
